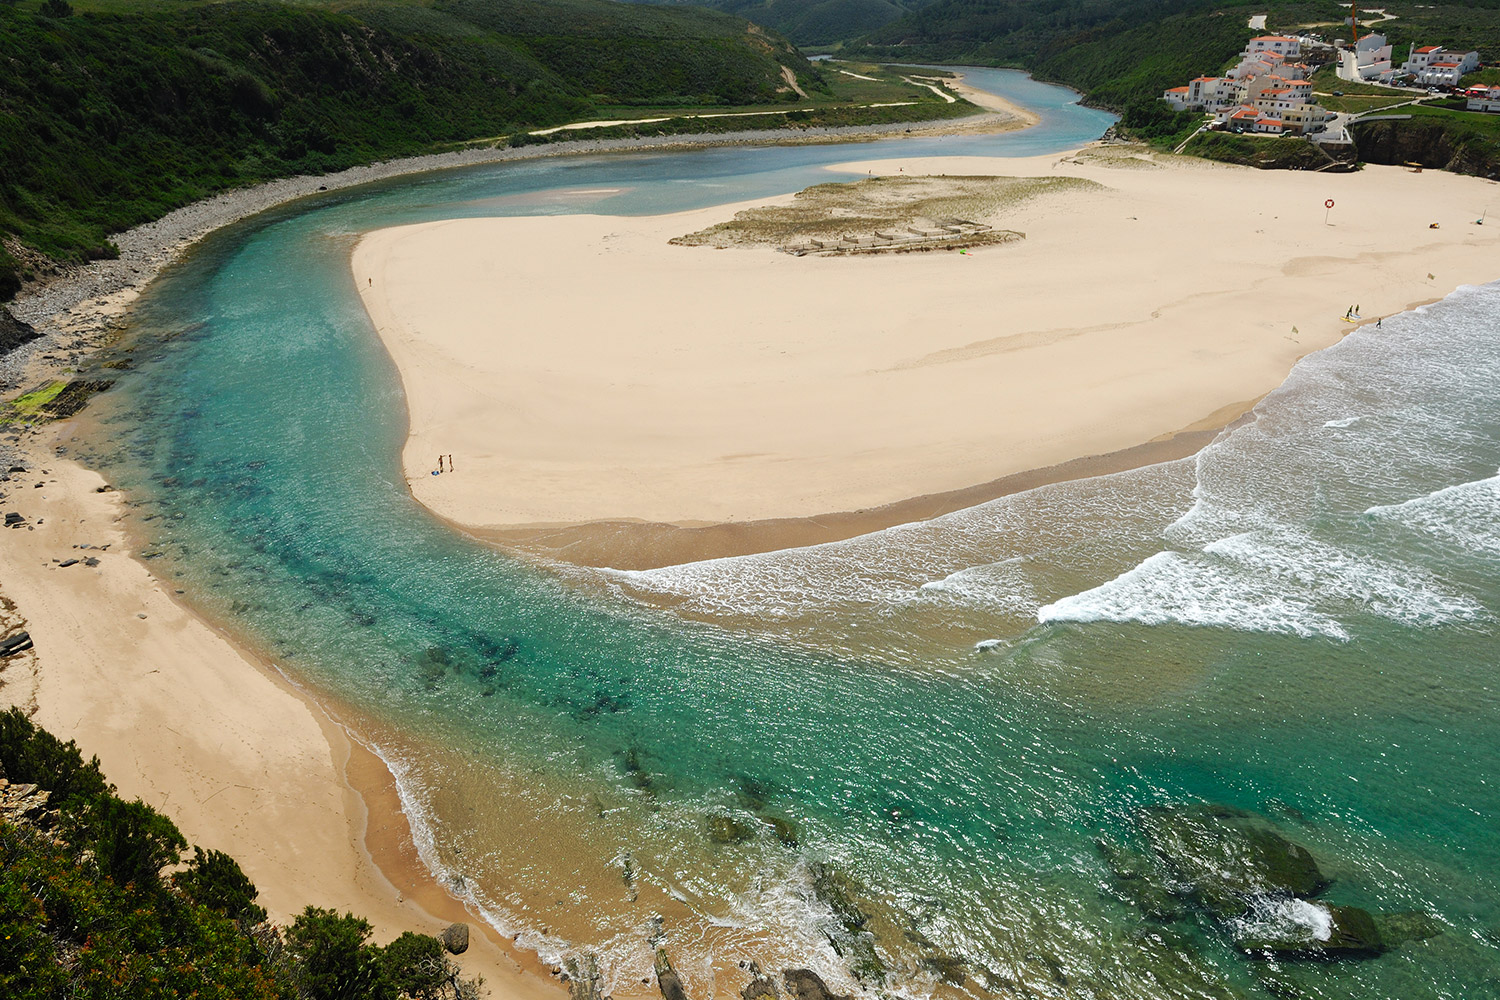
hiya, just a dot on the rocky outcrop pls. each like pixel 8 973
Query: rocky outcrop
pixel 728 830
pixel 1297 928
pixel 14 333
pixel 667 979
pixel 1228 857
pixel 26 804
pixel 760 986
pixel 1231 868
pixel 584 981
pixel 805 984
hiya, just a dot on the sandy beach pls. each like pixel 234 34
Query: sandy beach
pixel 183 718
pixel 583 370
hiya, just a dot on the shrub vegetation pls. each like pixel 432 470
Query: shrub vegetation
pixel 87 911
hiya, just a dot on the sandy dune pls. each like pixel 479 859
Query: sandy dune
pixel 581 368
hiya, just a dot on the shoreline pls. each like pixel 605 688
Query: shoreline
pixel 186 716
pixel 643 545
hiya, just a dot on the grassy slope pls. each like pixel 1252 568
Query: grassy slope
pixel 125 110
pixel 813 22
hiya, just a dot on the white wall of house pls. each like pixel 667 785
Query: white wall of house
pixel 1424 56
pixel 1367 59
pixel 1285 46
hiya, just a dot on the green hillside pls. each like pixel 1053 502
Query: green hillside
pixel 121 110
pixel 820 22
pixel 1114 51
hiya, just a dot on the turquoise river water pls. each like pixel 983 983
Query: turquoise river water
pixel 888 759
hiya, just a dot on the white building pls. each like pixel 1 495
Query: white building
pixel 1285 46
pixel 1484 99
pixel 1206 93
pixel 1305 118
pixel 1435 66
pixel 1367 59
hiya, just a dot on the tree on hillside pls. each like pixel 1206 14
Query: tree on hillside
pixel 335 963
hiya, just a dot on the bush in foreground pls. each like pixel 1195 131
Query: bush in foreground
pixel 85 910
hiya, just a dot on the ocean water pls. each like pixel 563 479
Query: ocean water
pixel 889 758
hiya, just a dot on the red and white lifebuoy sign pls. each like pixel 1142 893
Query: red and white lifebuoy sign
pixel 1328 203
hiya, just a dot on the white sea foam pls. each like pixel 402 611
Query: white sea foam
pixel 1177 588
pixel 1280 582
pixel 1285 920
pixel 1342 422
pixel 1465 517
pixel 978 557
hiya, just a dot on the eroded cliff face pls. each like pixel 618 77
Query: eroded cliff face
pixel 1429 144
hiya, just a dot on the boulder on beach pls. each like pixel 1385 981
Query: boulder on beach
pixel 14 333
pixel 455 938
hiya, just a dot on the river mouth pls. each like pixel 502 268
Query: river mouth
pixel 810 756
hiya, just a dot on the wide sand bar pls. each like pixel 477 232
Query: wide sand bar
pixel 581 368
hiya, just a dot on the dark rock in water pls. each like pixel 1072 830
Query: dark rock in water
pixel 1228 857
pixel 805 984
pixel 16 468
pixel 953 971
pixel 760 986
pixel 667 979
pixel 849 937
pixel 1407 925
pixel 785 829
pixel 14 333
pixel 1296 928
pixel 583 978
pixel 455 938
pixel 728 830
pixel 1139 881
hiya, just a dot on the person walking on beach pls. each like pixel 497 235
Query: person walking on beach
pixel 450 463
pixel 440 463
